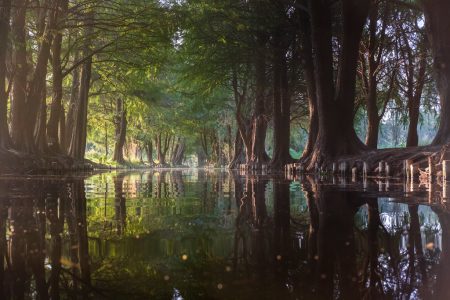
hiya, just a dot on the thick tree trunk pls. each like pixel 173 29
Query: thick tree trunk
pixel 162 147
pixel 438 23
pixel 414 92
pixel 336 133
pixel 412 139
pixel 201 158
pixel 5 11
pixel 56 106
pixel 239 152
pixel 354 16
pixel 79 133
pixel 179 153
pixel 281 105
pixel 36 107
pixel 308 67
pixel 71 112
pixel 373 118
pixel 19 53
pixel 149 151
pixel 121 131
pixel 258 155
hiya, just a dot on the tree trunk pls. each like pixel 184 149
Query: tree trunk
pixel 373 118
pixel 308 67
pixel 412 139
pixel 414 92
pixel 239 152
pixel 71 112
pixel 179 153
pixel 121 131
pixel 281 105
pixel 19 54
pixel 161 148
pixel 56 106
pixel 258 155
pixel 336 134
pixel 437 24
pixel 5 11
pixel 79 133
pixel 36 107
pixel 149 150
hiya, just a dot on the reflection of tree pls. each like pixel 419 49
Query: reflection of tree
pixel 178 183
pixel 35 206
pixel 372 273
pixel 443 269
pixel 120 203
pixel 282 228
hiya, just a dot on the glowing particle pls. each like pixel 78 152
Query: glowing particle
pixel 184 257
pixel 279 257
pixel 166 277
pixel 220 286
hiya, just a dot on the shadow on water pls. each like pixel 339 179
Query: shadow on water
pixel 197 234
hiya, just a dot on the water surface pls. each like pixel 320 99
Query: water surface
pixel 196 234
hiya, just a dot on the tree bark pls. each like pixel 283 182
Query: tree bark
pixel 258 155
pixel 437 24
pixel 36 107
pixel 281 104
pixel 5 12
pixel 121 130
pixel 415 94
pixel 239 152
pixel 19 53
pixel 336 134
pixel 77 147
pixel 56 106
pixel 308 67
pixel 74 94
pixel 149 150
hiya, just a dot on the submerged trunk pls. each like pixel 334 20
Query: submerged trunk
pixel 5 11
pixel 121 131
pixel 438 23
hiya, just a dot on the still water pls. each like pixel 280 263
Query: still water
pixel 196 234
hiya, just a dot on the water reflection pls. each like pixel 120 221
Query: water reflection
pixel 204 235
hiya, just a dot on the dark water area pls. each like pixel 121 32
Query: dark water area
pixel 198 234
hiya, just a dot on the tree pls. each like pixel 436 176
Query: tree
pixel 336 135
pixel 437 24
